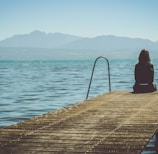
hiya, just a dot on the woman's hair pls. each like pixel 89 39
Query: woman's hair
pixel 144 57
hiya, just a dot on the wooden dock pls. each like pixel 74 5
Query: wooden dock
pixel 119 122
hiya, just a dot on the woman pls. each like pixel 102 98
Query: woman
pixel 144 74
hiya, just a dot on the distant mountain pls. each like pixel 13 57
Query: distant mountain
pixel 56 45
pixel 38 39
pixel 110 42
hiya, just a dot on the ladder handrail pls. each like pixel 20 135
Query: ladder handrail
pixel 93 73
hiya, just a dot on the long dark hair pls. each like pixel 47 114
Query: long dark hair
pixel 144 57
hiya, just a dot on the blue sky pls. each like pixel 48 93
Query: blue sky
pixel 89 18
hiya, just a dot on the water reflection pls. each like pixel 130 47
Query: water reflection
pixel 152 146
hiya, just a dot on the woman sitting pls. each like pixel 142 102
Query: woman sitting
pixel 144 74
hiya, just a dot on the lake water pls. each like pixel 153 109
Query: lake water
pixel 31 88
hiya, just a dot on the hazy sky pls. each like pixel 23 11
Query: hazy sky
pixel 90 18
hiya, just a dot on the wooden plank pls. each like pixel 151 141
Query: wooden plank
pixel 117 122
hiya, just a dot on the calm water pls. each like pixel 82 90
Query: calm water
pixel 31 88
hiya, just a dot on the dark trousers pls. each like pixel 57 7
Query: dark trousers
pixel 144 88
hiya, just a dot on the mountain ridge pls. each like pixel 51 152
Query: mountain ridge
pixel 38 39
pixel 41 39
pixel 59 45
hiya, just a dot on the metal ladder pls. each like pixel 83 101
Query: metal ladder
pixel 93 73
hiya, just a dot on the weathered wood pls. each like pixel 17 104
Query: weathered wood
pixel 118 122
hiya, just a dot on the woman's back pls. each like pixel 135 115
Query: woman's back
pixel 144 73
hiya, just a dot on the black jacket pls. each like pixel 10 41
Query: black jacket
pixel 144 73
